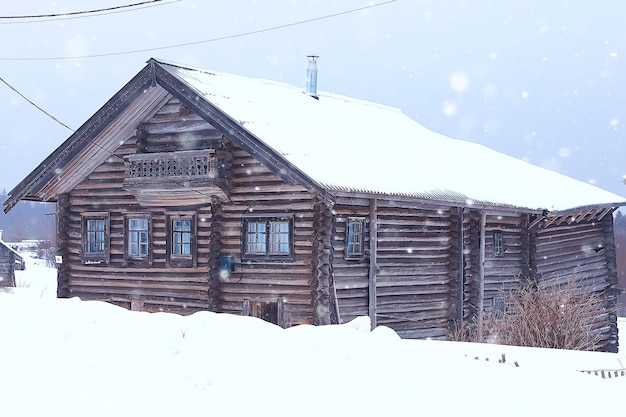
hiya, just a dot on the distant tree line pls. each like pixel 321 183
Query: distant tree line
pixel 28 220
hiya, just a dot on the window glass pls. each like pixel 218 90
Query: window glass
pixel 279 237
pixel 498 244
pixel 95 235
pixel 181 237
pixel 354 238
pixel 269 236
pixel 256 239
pixel 138 237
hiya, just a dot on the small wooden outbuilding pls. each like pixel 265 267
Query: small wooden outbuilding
pixel 10 261
pixel 196 190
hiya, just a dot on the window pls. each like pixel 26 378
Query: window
pixel 95 238
pixel 266 237
pixel 181 237
pixel 137 239
pixel 498 244
pixel 181 246
pixel 355 236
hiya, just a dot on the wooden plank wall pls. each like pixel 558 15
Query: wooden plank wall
pixel 351 275
pixel 256 190
pixel 583 253
pixel 415 282
pixel 7 267
pixel 504 272
pixel 417 279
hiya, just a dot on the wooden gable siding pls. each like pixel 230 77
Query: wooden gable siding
pixel 255 190
pixel 7 267
pixel 583 254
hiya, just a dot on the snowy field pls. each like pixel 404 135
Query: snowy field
pixel 73 358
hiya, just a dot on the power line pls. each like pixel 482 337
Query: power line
pixel 36 106
pixel 83 12
pixel 18 22
pixel 221 38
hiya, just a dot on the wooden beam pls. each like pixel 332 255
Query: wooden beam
pixel 481 275
pixel 373 262
pixel 461 272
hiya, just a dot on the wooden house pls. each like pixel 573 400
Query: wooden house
pixel 197 190
pixel 10 261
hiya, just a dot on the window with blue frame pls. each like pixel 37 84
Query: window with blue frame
pixel 355 237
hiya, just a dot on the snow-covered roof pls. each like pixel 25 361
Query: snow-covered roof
pixel 346 144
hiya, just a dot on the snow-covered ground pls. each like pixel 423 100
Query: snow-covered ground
pixel 73 358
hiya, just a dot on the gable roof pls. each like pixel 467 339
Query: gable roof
pixel 331 145
pixel 13 251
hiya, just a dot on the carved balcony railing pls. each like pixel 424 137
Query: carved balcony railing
pixel 175 178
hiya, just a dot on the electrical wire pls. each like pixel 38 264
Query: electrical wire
pixel 111 153
pixel 221 38
pixel 83 12
pixel 35 105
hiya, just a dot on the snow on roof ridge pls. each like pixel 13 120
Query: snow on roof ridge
pixel 352 144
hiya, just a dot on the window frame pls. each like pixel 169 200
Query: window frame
pixel 137 258
pixel 269 243
pixel 498 243
pixel 181 259
pixel 359 235
pixel 95 257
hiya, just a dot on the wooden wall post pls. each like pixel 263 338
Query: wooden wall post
pixel 373 262
pixel 461 273
pixel 481 277
pixel 63 241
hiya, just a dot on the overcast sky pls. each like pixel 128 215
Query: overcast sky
pixel 544 81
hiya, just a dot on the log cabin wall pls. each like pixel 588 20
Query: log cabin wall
pixel 471 256
pixel 256 191
pixel 7 267
pixel 415 281
pixel 351 275
pixel 160 286
pixel 582 253
pixel 153 285
pixel 416 266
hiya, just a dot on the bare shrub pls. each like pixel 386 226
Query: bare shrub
pixel 560 317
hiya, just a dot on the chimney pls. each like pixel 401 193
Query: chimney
pixel 311 76
pixel 0 234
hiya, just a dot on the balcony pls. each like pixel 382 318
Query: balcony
pixel 175 178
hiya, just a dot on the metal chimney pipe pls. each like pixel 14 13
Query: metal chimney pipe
pixel 311 76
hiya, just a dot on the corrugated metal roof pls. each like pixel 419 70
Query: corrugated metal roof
pixel 353 145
